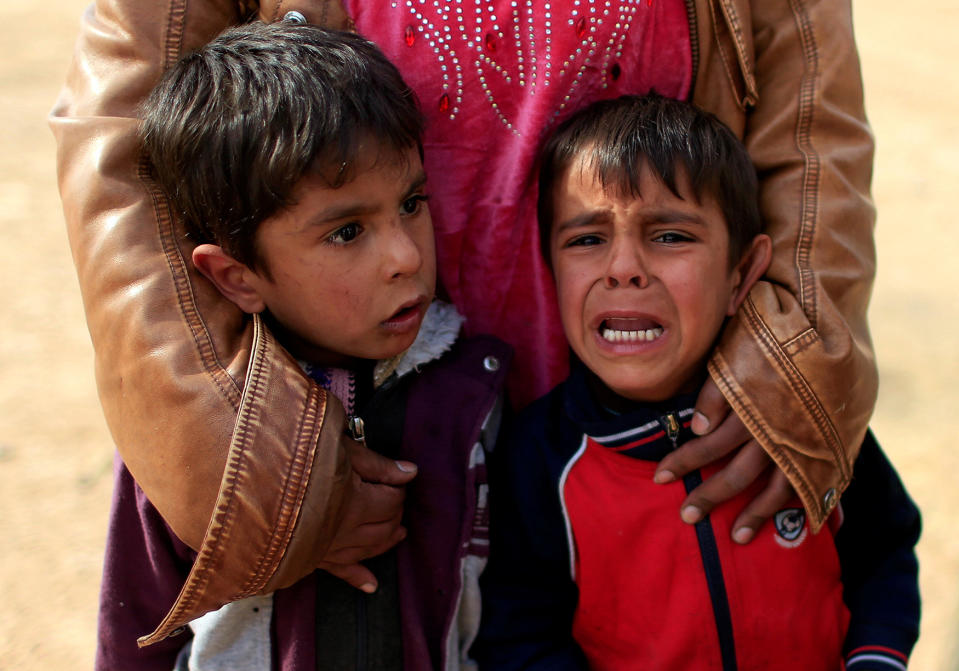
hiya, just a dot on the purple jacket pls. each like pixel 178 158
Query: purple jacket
pixel 445 410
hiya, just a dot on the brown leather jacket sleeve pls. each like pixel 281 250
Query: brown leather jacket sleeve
pixel 796 363
pixel 184 376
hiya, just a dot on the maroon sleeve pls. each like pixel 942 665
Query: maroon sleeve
pixel 145 566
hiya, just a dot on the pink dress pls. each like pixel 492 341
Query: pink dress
pixel 493 78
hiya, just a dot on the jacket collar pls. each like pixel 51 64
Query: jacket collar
pixel 440 329
pixel 636 429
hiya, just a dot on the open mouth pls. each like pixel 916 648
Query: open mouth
pixel 406 313
pixel 629 330
pixel 403 313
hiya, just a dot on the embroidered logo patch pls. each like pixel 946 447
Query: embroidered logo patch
pixel 790 527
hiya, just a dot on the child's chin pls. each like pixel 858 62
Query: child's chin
pixel 648 392
pixel 396 347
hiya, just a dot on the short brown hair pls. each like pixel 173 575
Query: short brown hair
pixel 232 127
pixel 627 132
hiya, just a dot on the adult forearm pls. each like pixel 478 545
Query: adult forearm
pixel 155 368
pixel 796 363
pixel 231 443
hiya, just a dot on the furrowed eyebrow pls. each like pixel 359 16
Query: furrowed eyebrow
pixel 417 183
pixel 656 216
pixel 581 221
pixel 341 212
pixel 671 216
pixel 350 210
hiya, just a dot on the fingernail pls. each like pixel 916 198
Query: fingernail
pixel 691 514
pixel 368 587
pixel 406 466
pixel 663 477
pixel 743 535
pixel 700 423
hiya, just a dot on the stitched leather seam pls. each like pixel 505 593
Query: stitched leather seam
pixel 292 494
pixel 223 515
pixel 174 33
pixel 186 300
pixel 301 471
pixel 736 31
pixel 236 465
pixel 757 429
pixel 797 383
pixel 243 438
pixel 730 74
pixel 812 167
pixel 801 342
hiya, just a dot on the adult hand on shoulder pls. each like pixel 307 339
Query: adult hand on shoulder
pixel 722 433
pixel 371 522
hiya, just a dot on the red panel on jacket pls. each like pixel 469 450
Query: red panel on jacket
pixel 644 602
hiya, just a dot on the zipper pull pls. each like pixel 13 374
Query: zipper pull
pixel 671 424
pixel 355 428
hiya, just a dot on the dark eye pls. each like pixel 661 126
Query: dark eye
pixel 584 241
pixel 413 204
pixel 344 234
pixel 672 237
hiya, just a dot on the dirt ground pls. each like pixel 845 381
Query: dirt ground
pixel 55 452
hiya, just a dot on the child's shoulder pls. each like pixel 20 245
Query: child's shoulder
pixel 544 427
pixel 544 411
pixel 441 344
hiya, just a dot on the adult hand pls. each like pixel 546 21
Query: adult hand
pixel 371 522
pixel 722 433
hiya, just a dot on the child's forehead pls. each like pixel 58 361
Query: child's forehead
pixel 588 170
pixel 335 169
pixel 363 191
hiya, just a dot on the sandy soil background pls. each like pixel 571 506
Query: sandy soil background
pixel 55 452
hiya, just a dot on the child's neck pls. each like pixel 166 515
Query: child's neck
pixel 308 352
pixel 617 404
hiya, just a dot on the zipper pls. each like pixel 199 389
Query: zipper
pixel 709 553
pixel 356 428
pixel 671 424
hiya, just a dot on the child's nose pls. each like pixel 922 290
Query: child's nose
pixel 626 266
pixel 405 256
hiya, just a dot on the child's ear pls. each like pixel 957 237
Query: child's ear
pixel 750 268
pixel 229 276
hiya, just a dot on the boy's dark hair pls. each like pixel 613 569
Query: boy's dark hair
pixel 623 134
pixel 232 127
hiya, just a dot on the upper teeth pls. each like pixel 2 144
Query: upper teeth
pixel 631 336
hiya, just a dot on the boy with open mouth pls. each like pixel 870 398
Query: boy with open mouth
pixel 649 218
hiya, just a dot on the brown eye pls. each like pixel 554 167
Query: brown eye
pixel 345 234
pixel 672 238
pixel 414 204
pixel 584 241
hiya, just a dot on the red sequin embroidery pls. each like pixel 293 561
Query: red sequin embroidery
pixel 581 27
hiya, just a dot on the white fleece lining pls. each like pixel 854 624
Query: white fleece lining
pixel 440 329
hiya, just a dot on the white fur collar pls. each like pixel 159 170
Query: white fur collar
pixel 440 329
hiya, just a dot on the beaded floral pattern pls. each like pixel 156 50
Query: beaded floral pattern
pixel 493 77
pixel 515 47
